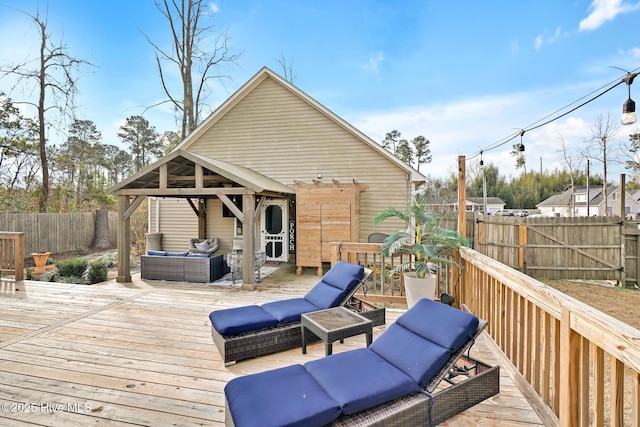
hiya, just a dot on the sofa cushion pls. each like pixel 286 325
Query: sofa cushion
pixel 157 253
pixel 300 401
pixel 177 253
pixel 289 310
pixel 234 321
pixel 360 379
pixel 425 319
pixel 194 255
pixel 417 357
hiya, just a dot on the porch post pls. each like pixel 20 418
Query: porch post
pixel 248 244
pixel 124 240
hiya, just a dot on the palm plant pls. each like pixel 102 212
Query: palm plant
pixel 430 245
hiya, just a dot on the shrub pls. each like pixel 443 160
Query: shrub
pixel 97 271
pixel 72 267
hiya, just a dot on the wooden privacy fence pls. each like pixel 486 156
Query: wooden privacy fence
pixel 582 366
pixel 12 254
pixel 56 232
pixel 597 248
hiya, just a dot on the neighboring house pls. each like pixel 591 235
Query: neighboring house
pixel 473 204
pixel 268 142
pixel 476 204
pixel 577 202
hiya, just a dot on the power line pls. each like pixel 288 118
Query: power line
pixel 537 124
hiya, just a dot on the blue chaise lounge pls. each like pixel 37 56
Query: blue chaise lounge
pixel 389 383
pixel 251 331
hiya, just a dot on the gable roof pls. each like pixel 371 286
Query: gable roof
pixel 217 177
pixel 265 73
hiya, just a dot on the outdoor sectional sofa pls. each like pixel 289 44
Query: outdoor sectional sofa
pixel 389 383
pixel 182 267
pixel 251 331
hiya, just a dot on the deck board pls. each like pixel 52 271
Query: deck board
pixel 142 354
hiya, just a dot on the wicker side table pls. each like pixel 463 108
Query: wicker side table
pixel 332 325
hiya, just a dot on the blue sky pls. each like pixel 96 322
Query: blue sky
pixel 464 74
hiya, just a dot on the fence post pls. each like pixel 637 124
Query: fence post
pixel 522 242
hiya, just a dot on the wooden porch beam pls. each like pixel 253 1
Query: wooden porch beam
pixel 162 184
pixel 124 240
pixel 248 244
pixel 134 205
pixel 232 207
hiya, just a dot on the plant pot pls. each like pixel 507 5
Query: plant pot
pixel 40 259
pixel 417 288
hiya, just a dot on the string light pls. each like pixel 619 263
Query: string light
pixel 555 115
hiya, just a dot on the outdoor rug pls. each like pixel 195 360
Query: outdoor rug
pixel 226 279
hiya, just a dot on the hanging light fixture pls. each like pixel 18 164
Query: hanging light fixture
pixel 521 146
pixel 481 162
pixel 629 107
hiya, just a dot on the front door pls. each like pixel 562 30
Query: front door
pixel 273 229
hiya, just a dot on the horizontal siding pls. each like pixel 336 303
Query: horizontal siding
pixel 178 224
pixel 278 134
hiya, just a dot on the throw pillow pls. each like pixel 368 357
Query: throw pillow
pixel 204 246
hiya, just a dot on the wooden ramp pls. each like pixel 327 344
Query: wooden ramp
pixel 141 354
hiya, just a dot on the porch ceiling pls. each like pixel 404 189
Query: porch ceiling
pixel 183 178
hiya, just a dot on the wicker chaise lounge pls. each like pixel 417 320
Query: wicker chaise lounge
pixel 389 383
pixel 251 331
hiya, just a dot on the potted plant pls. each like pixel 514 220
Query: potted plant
pixel 429 245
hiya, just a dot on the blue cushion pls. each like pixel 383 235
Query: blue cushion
pixel 323 295
pixel 192 255
pixel 417 357
pixel 344 275
pixel 282 397
pixel 426 319
pixel 289 310
pixel 177 253
pixel 234 321
pixel 360 379
pixel 157 253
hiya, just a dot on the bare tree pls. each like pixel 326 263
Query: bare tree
pixel 195 63
pixel 53 73
pixel 599 147
pixel 570 160
pixel 287 69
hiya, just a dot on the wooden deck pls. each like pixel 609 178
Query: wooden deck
pixel 141 354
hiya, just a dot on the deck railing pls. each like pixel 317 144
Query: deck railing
pixel 384 287
pixel 12 254
pixel 583 365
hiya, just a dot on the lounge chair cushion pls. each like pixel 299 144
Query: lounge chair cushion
pixel 417 357
pixel 343 275
pixel 360 379
pixel 157 253
pixel 287 311
pixel 461 326
pixel 335 285
pixel 234 321
pixel 300 400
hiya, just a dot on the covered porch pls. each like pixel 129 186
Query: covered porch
pixel 196 178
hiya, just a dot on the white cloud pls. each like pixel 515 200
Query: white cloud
pixel 214 7
pixel 374 63
pixel 538 42
pixel 603 11
pixel 544 38
pixel 466 127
